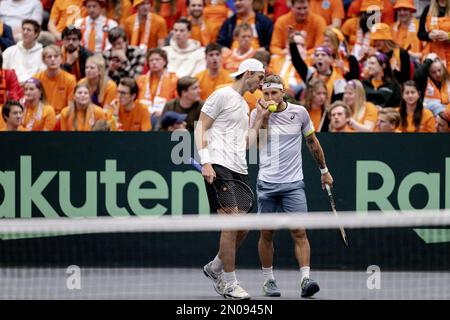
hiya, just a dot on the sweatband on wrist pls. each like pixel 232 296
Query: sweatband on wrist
pixel 324 170
pixel 204 156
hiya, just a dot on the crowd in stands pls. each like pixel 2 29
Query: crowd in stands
pixel 148 65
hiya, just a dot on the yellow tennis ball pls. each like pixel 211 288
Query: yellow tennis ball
pixel 272 107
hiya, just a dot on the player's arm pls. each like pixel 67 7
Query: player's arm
pixel 204 123
pixel 317 153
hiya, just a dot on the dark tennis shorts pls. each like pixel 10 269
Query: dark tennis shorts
pixel 222 173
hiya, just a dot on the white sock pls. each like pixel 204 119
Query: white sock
pixel 268 273
pixel 304 271
pixel 229 277
pixel 217 265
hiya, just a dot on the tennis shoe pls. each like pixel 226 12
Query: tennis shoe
pixel 309 287
pixel 234 291
pixel 270 288
pixel 216 278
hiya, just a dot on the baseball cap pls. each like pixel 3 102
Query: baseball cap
pixel 171 117
pixel 249 65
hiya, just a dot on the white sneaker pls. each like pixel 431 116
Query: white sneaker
pixel 216 279
pixel 234 291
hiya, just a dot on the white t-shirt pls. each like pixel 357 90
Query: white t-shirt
pixel 280 156
pixel 227 135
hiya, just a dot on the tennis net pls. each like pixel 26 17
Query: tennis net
pixel 391 255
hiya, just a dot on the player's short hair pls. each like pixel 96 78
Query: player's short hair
pixel 273 78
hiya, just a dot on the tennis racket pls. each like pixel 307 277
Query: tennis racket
pixel 233 196
pixel 333 208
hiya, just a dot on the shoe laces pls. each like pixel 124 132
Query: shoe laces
pixel 271 284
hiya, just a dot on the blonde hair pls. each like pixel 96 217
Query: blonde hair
pixel 434 8
pixel 333 38
pixel 392 115
pixel 102 77
pixel 51 47
pixel 360 97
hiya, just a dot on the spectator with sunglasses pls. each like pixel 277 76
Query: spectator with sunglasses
pixel 380 86
pixel 74 55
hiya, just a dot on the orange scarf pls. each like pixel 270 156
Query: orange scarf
pixel 76 71
pixel 143 40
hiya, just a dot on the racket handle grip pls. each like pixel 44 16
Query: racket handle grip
pixel 196 165
pixel 328 189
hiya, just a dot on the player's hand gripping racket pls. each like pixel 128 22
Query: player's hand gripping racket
pixel 233 196
pixel 333 207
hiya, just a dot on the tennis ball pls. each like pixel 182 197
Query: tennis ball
pixel 272 107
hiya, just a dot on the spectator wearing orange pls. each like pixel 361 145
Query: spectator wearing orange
pixel 188 101
pixel 214 75
pixel 201 30
pixel 95 27
pixel 119 10
pixel 74 55
pixel 58 84
pixel 133 116
pixel 63 14
pixel 232 58
pixel 388 15
pixel 331 10
pixel 145 29
pixel 414 117
pixel 357 29
pixel 323 68
pixel 170 10
pixel 38 114
pixel 404 30
pixel 185 56
pixel 316 102
pixel 10 88
pixel 12 115
pixel 364 113
pixel 443 121
pixel 434 28
pixel 282 65
pixel 101 88
pixel 340 115
pixel 26 56
pixel 157 86
pixel 262 26
pixel 388 120
pixel 344 62
pixel 380 85
pixel 215 14
pixel 123 60
pixel 81 114
pixel 300 18
pixel 399 59
pixel 433 81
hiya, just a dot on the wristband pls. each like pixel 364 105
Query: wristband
pixel 204 156
pixel 324 170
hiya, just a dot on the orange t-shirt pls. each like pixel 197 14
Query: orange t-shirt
pixel 316 117
pixel 427 124
pixel 387 13
pixel 85 119
pixel 137 119
pixel 167 88
pixel 328 9
pixel 39 118
pixel 209 84
pixel 406 37
pixel 314 27
pixel 252 98
pixel 158 30
pixel 58 90
pixel 216 15
pixel 202 33
pixel 65 12
pixel 231 59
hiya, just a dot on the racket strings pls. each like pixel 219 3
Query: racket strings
pixel 234 196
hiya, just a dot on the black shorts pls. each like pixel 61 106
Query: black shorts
pixel 222 173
